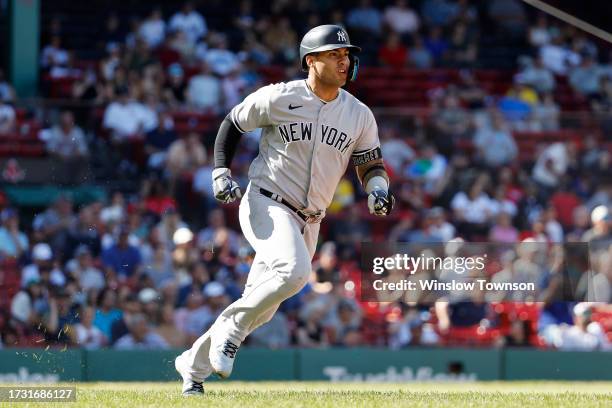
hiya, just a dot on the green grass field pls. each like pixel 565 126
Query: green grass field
pixel 318 394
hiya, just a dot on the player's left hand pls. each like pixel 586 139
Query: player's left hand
pixel 380 202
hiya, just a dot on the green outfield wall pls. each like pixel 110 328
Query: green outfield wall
pixel 24 17
pixel 363 364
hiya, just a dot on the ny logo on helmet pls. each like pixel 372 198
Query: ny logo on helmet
pixel 341 36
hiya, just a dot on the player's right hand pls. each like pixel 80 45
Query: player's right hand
pixel 225 188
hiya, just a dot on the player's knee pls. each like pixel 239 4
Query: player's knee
pixel 266 318
pixel 293 272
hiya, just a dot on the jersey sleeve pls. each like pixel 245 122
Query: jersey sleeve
pixel 368 140
pixel 254 111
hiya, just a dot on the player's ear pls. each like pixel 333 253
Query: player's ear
pixel 310 60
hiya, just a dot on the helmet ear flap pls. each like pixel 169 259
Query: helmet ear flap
pixel 353 67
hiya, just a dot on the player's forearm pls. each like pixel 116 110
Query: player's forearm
pixel 226 141
pixel 372 174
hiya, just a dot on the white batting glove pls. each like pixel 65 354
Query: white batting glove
pixel 225 188
pixel 380 202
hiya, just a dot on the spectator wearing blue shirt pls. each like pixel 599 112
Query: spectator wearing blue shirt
pixel 439 12
pixel 107 312
pixel 122 260
pixel 495 144
pixel 200 276
pixel 13 242
pixel 436 44
pixel 365 17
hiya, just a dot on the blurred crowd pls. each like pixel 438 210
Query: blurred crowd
pixel 153 267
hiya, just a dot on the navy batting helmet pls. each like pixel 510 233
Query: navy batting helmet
pixel 329 37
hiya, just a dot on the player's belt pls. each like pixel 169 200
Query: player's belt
pixel 309 217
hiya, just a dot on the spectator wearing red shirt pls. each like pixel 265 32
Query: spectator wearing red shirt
pixel 508 180
pixel 565 202
pixel 157 200
pixel 393 53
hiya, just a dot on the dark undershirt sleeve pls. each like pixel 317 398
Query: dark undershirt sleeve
pixel 226 141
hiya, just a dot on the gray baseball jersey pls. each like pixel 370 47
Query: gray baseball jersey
pixel 306 143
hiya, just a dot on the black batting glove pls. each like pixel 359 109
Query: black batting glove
pixel 380 202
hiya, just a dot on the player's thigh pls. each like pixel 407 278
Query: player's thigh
pixel 274 232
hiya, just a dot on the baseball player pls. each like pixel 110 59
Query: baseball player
pixel 311 130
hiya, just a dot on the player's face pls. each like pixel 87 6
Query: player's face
pixel 331 67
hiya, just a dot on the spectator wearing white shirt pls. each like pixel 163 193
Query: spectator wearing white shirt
pixel 146 112
pixel 53 54
pixel 190 22
pixel 553 163
pixel 66 141
pixel 24 307
pixel 583 335
pixel 473 211
pixel 401 18
pixel 540 33
pixel 121 117
pixel 204 90
pixel 86 334
pixel 557 57
pixel 501 204
pixel 41 269
pixel 65 68
pixel 153 29
pixel 474 207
